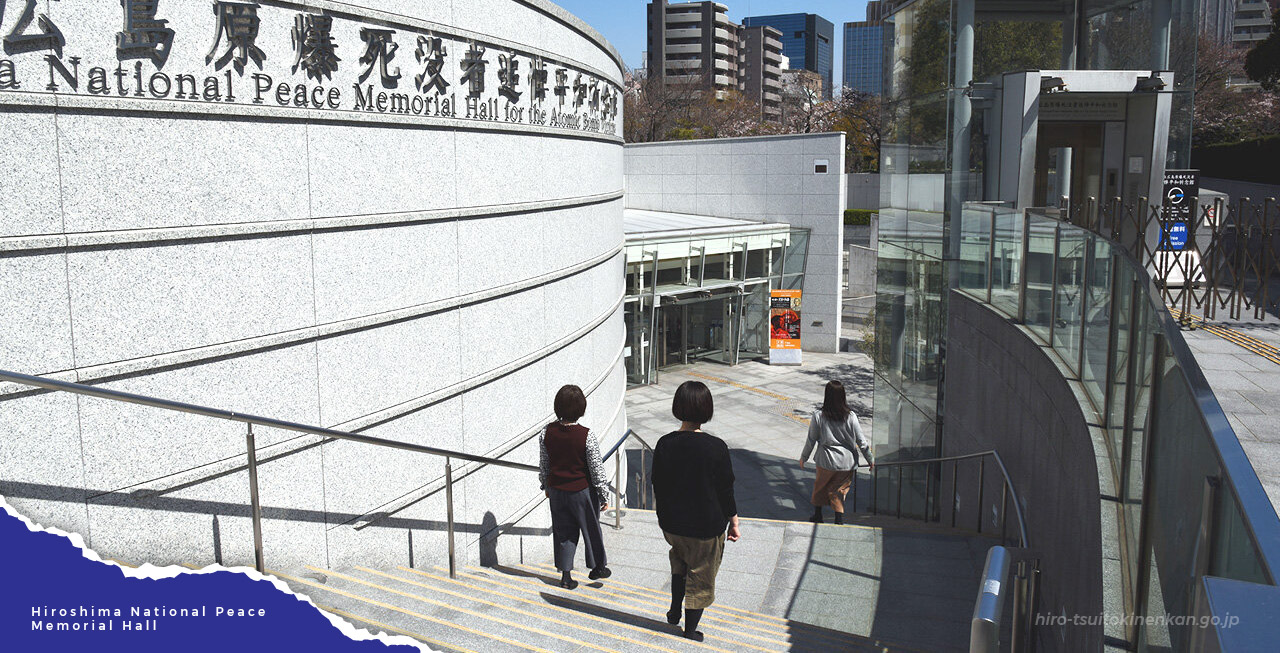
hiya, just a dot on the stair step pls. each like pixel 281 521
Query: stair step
pixel 750 631
pixel 375 614
pixel 479 614
pixel 624 626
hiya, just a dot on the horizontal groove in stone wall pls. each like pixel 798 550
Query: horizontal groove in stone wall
pixel 390 508
pixel 98 239
pixel 297 336
pixel 277 450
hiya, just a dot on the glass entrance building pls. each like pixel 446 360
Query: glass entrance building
pixel 698 287
pixel 1007 321
pixel 960 129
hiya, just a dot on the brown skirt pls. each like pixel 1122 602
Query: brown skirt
pixel 830 487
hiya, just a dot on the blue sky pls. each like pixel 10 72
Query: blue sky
pixel 623 22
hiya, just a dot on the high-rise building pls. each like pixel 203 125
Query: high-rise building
pixel 760 69
pixel 1252 23
pixel 807 39
pixel 864 51
pixel 1217 20
pixel 695 44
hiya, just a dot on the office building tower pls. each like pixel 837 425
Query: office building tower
pixel 807 39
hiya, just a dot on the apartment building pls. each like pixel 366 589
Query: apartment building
pixel 695 44
pixel 760 68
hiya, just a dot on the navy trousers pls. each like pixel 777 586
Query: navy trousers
pixel 573 513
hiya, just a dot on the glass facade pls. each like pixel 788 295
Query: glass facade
pixel 808 41
pixel 1182 489
pixel 943 62
pixel 863 55
pixel 695 298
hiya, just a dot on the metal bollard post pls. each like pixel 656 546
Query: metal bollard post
pixel 253 501
pixel 448 499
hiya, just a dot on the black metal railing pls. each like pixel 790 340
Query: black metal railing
pixel 251 448
pixel 1217 257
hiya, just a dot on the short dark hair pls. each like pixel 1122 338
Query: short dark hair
pixel 692 403
pixel 570 403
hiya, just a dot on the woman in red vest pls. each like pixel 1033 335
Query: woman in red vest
pixel 572 476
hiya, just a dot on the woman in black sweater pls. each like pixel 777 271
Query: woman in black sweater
pixel 693 484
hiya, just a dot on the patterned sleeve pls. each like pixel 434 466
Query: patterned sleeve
pixel 595 467
pixel 543 463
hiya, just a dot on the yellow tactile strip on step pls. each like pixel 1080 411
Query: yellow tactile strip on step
pixel 1253 345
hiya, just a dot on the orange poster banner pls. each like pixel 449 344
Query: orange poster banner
pixel 784 319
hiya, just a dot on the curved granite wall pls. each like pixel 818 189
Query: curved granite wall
pixel 1004 392
pixel 401 218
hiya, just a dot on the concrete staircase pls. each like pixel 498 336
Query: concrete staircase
pixel 786 586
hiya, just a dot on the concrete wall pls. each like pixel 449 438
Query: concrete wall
pixel 768 178
pixel 1235 190
pixel 423 275
pixel 864 190
pixel 1004 392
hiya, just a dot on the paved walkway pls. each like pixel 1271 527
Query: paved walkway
pixel 762 413
pixel 900 588
pixel 1246 381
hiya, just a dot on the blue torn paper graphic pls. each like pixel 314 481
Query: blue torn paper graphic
pixel 53 597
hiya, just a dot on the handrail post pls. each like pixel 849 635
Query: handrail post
pixel 253 500
pixel 875 481
pixel 448 498
pixel 1004 511
pixel 1022 276
pixel 901 469
pixel 955 473
pixel 644 481
pixel 982 472
pixel 617 479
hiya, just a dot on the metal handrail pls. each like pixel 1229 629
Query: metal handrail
pixel 1024 541
pixel 218 413
pixel 642 481
pixel 251 448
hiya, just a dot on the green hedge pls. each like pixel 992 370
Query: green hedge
pixel 1252 160
pixel 858 216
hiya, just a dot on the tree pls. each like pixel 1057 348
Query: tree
pixel 1224 113
pixel 1263 61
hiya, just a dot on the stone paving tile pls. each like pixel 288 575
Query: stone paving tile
pixel 1250 398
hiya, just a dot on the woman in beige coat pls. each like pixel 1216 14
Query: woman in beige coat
pixel 835 437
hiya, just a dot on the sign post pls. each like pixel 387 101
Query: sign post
pixel 784 327
pixel 1174 262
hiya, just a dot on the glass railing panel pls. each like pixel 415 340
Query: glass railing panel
pixel 1069 294
pixel 1234 553
pixel 1039 270
pixel 1096 321
pixel 1121 357
pixel 1006 260
pixel 975 248
pixel 797 250
pixel 1141 339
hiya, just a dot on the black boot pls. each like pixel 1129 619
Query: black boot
pixel 567 581
pixel 839 517
pixel 677 599
pixel 817 515
pixel 600 572
pixel 691 619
